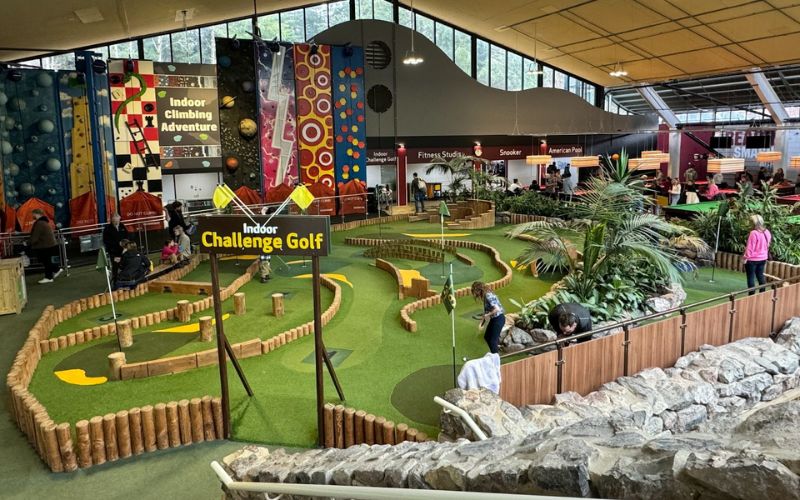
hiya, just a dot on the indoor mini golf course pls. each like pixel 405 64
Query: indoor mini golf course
pixel 384 369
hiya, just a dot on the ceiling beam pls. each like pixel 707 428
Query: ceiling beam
pixel 768 96
pixel 660 107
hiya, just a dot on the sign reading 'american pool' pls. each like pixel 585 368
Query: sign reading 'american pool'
pixel 282 235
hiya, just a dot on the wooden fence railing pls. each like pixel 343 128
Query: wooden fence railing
pixel 584 367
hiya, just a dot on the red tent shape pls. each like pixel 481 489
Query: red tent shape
pixel 25 217
pixel 140 205
pixel 83 212
pixel 352 198
pixel 11 220
pixel 279 193
pixel 248 196
pixel 324 199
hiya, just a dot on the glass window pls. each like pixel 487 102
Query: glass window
pixel 482 63
pixel 382 10
pixel 575 86
pixel 707 116
pixel 270 26
pixel 292 29
pixel 547 77
pixel 530 78
pixel 405 18
pixel 103 51
pixel 463 51
pixel 612 106
pixel 498 67
pixel 590 93
pixel 338 12
pixel 793 111
pixel 60 61
pixel 444 39
pixel 208 47
pixel 186 46
pixel 241 29
pixel 363 9
pixel 124 50
pixel 514 72
pixel 723 116
pixel 316 20
pixel 737 115
pixel 32 62
pixel 157 49
pixel 559 80
pixel 693 117
pixel 425 26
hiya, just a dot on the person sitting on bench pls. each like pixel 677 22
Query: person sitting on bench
pixel 570 318
pixel 133 267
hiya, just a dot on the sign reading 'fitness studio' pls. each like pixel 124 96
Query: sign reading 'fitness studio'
pixel 283 235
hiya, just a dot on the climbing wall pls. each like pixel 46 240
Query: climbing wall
pixel 349 120
pixel 314 119
pixel 133 102
pixel 80 168
pixel 31 140
pixel 238 113
pixel 276 106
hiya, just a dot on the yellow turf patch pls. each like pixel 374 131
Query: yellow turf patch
pixel 408 275
pixel 239 257
pixel 337 277
pixel 190 328
pixel 435 235
pixel 78 377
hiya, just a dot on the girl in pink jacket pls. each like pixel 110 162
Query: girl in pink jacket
pixel 756 253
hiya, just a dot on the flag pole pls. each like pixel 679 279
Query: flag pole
pixel 441 222
pixel 111 297
pixel 453 327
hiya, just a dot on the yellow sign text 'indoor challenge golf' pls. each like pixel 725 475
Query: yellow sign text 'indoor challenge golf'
pixel 281 235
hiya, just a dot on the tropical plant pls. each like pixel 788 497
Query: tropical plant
pixel 614 255
pixel 532 203
pixel 734 224
pixel 465 180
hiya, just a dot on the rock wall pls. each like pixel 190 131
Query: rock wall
pixel 720 424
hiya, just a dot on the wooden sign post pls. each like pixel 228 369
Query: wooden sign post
pixel 307 235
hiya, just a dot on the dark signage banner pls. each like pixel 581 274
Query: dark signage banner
pixel 188 116
pixel 506 152
pixel 429 155
pixel 562 150
pixel 381 156
pixel 284 235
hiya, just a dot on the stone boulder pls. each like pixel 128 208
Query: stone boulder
pixel 743 476
pixel 494 416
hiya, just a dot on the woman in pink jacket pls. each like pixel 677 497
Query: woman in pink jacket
pixel 756 253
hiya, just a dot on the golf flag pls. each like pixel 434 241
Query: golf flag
pixel 222 196
pixel 102 261
pixel 448 296
pixel 443 210
pixel 301 196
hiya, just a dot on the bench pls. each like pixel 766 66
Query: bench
pixel 184 287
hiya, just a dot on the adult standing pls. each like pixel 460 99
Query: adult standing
pixel 419 190
pixel 44 245
pixel 674 191
pixel 113 234
pixel 569 319
pixel 175 213
pixel 493 312
pixel 756 252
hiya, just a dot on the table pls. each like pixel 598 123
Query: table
pixel 789 199
pixel 688 211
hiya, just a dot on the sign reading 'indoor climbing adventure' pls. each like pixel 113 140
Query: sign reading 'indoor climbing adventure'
pixel 281 235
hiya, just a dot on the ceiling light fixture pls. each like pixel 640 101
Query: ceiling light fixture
pixel 411 57
pixel 618 71
pixel 535 69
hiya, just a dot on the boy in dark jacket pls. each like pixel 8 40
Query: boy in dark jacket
pixel 133 267
pixel 44 245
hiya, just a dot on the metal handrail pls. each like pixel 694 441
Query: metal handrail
pixel 355 492
pixel 647 317
pixel 451 408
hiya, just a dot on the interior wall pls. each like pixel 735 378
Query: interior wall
pixel 438 98
pixel 190 186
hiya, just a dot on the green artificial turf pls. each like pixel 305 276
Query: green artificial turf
pixel 230 268
pixel 147 303
pixel 388 371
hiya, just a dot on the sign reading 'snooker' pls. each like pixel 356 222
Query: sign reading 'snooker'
pixel 282 235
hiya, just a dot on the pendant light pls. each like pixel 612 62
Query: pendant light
pixel 411 57
pixel 535 69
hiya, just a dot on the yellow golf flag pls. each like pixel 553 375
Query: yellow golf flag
pixel 222 196
pixel 302 196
